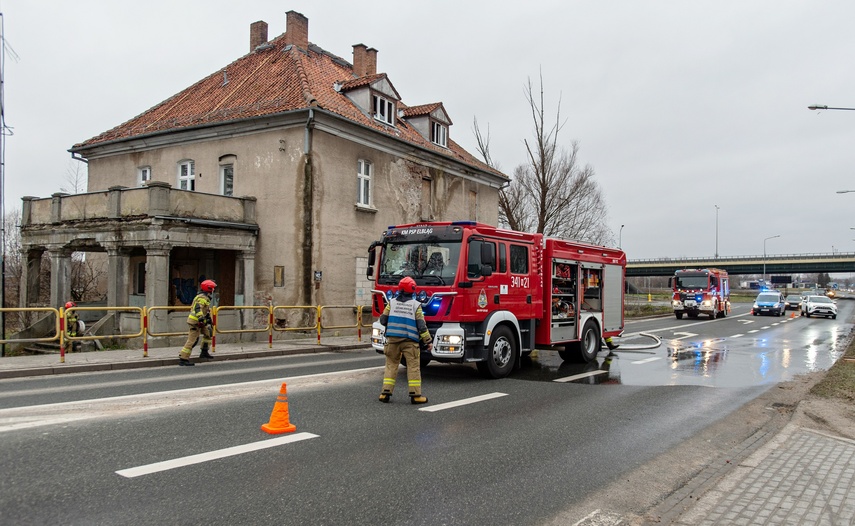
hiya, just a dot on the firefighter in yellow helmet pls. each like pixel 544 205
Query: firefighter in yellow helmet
pixel 200 323
pixel 405 330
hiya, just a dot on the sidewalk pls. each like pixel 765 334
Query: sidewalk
pixel 77 362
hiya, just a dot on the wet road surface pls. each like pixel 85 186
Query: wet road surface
pixel 741 350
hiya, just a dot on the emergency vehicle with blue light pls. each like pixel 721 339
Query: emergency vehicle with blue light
pixel 700 291
pixel 491 296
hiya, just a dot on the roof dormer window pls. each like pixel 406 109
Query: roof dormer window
pixel 439 134
pixel 384 109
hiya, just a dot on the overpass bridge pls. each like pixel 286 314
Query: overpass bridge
pixel 736 265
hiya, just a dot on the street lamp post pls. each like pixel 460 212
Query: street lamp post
pixel 764 255
pixel 620 238
pixel 822 107
pixel 716 231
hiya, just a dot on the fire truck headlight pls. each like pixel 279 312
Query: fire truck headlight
pixel 375 332
pixel 707 303
pixel 452 339
pixel 675 303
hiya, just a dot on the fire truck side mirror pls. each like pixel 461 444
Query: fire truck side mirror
pixel 486 270
pixel 369 273
pixel 670 283
pixel 488 258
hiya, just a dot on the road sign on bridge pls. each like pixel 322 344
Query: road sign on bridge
pixel 738 265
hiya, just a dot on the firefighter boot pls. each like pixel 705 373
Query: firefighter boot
pixel 610 345
pixel 385 397
pixel 205 355
pixel 182 361
pixel 418 399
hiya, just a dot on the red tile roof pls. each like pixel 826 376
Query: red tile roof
pixel 276 79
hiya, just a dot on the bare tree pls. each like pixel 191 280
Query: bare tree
pixel 85 278
pixel 551 192
pixel 76 175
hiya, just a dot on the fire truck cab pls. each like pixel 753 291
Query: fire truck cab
pixel 700 291
pixel 491 296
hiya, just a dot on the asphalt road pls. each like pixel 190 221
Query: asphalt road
pixel 89 448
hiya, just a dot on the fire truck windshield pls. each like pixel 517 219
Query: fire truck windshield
pixel 692 282
pixel 429 263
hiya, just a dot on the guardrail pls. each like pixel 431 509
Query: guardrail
pixel 315 312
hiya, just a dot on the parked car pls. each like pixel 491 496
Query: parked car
pixel 820 306
pixel 769 303
pixel 793 302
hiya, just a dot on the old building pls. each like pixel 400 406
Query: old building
pixel 271 176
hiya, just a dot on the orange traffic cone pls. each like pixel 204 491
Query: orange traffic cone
pixel 279 417
pixel 792 315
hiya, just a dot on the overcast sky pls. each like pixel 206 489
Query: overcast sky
pixel 678 106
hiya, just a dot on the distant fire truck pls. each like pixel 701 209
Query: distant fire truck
pixel 490 296
pixel 700 291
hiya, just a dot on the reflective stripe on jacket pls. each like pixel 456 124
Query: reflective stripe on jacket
pixel 199 309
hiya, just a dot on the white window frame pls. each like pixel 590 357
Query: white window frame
pixel 364 175
pixel 223 169
pixel 143 175
pixel 383 109
pixel 187 175
pixel 439 134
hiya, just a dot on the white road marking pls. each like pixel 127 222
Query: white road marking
pixel 745 321
pixel 755 330
pixel 579 376
pixel 212 455
pixel 687 335
pixel 764 328
pixel 684 325
pixel 646 360
pixel 737 335
pixel 465 401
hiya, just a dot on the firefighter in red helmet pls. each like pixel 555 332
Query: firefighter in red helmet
pixel 72 324
pixel 200 323
pixel 405 331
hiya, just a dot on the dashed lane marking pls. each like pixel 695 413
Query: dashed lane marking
pixel 465 401
pixel 646 360
pixel 579 376
pixel 212 455
pixel 737 335
pixel 755 330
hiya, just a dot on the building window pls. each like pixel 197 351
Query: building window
pixel 439 134
pixel 363 183
pixel 187 175
pixel 139 283
pixel 384 110
pixel 227 179
pixel 143 175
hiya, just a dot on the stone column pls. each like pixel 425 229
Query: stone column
pixel 60 276
pixel 118 263
pixel 30 277
pixel 157 275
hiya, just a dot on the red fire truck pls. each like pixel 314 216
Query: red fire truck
pixel 700 291
pixel 491 296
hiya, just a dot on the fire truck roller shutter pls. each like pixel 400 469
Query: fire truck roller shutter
pixel 613 298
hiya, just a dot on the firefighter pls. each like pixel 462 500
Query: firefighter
pixel 72 324
pixel 405 331
pixel 200 323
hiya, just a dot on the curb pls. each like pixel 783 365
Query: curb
pixel 163 362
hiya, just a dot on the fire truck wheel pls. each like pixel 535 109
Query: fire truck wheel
pixel 500 355
pixel 679 315
pixel 587 348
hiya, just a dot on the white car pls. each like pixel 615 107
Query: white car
pixel 819 306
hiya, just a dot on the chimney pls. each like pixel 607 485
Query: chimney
pixel 371 61
pixel 359 59
pixel 364 60
pixel 297 30
pixel 257 34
